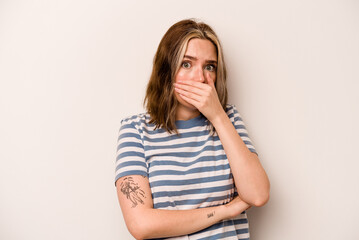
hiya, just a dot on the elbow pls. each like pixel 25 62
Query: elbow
pixel 261 201
pixel 262 196
pixel 138 228
pixel 137 231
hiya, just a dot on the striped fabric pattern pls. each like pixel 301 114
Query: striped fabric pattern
pixel 185 171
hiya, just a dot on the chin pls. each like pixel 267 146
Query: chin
pixel 185 104
pixel 189 107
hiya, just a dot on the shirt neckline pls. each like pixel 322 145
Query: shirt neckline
pixel 191 122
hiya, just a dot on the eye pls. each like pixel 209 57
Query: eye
pixel 186 64
pixel 210 67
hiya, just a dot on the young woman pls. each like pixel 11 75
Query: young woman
pixel 187 169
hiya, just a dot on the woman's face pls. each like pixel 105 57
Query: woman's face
pixel 199 64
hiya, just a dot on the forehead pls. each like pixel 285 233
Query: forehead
pixel 201 49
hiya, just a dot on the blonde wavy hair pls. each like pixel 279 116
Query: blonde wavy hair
pixel 160 100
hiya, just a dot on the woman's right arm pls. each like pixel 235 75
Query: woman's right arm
pixel 143 221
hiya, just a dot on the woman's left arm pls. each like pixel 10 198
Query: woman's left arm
pixel 250 178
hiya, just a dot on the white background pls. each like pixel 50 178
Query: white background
pixel 71 70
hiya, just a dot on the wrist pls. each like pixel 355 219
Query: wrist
pixel 219 118
pixel 225 212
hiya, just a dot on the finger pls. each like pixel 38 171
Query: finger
pixel 187 94
pixel 189 100
pixel 210 81
pixel 190 88
pixel 196 84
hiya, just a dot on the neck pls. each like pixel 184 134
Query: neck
pixel 185 114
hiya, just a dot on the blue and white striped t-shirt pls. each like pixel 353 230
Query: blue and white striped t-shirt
pixel 188 171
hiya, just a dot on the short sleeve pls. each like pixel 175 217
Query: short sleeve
pixel 130 159
pixel 240 127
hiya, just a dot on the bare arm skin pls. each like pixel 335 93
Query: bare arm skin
pixel 143 221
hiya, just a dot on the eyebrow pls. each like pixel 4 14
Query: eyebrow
pixel 194 58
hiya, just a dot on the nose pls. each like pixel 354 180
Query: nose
pixel 199 75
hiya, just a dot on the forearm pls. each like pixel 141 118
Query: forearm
pixel 250 178
pixel 157 223
pixel 169 223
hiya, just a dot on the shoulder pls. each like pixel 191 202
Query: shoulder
pixel 231 110
pixel 230 107
pixel 135 120
pixel 233 113
pixel 134 123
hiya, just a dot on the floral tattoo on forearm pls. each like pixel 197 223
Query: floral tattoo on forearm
pixel 132 191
